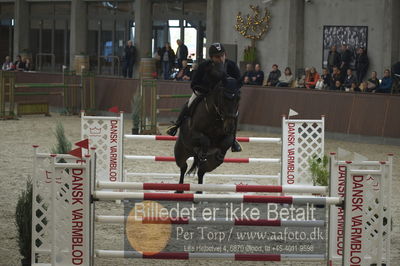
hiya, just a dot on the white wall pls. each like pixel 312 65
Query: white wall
pixel 273 47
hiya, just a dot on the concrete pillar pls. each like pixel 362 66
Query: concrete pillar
pixel 143 28
pixel 78 29
pixel 213 26
pixel 21 26
pixel 296 35
pixel 143 32
pixel 391 34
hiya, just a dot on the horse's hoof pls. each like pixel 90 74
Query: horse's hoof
pixel 199 192
pixel 179 191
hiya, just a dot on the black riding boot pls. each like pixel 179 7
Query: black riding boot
pixel 172 130
pixel 236 147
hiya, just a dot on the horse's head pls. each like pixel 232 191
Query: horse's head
pixel 227 105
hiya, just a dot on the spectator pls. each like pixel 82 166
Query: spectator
pixel 248 73
pixel 184 72
pixel 312 78
pixel 350 78
pixel 129 59
pixel 193 71
pixel 363 86
pixel 333 59
pixel 181 52
pixel 373 82
pixel 362 64
pixel 345 58
pixel 274 75
pixel 354 87
pixel 246 80
pixel 301 80
pixel 19 64
pixel 286 79
pixel 337 86
pixel 157 57
pixel 326 78
pixel 386 83
pixel 27 65
pixel 336 75
pixel 258 77
pixel 7 65
pixel 167 56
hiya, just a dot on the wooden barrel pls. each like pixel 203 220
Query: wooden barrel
pixel 147 68
pixel 81 62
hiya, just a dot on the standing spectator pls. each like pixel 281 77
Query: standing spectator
pixel 167 56
pixel 258 77
pixel 274 75
pixel 181 52
pixel 312 78
pixel 286 79
pixel 345 58
pixel 184 72
pixel 7 65
pixel 129 59
pixel 350 78
pixel 373 82
pixel 19 64
pixel 362 64
pixel 157 57
pixel 249 73
pixel 386 83
pixel 333 59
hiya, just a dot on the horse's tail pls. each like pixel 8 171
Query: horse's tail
pixel 194 167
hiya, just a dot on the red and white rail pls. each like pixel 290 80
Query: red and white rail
pixel 226 160
pixel 214 221
pixel 111 195
pixel 226 256
pixel 164 176
pixel 173 138
pixel 212 187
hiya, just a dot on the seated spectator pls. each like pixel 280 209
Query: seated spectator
pixel 354 87
pixel 7 65
pixel 258 77
pixel 184 72
pixel 386 83
pixel 274 75
pixel 286 79
pixel 300 83
pixel 312 78
pixel 337 86
pixel 246 81
pixel 350 78
pixel 194 70
pixel 249 72
pixel 373 82
pixel 324 80
pixel 336 75
pixel 19 64
pixel 27 65
pixel 363 86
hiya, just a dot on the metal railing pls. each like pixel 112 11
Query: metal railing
pixel 115 61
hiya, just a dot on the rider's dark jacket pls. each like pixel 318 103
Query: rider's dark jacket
pixel 209 74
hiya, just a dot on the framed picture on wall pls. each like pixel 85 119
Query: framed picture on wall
pixel 354 36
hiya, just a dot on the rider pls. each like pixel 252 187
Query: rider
pixel 201 84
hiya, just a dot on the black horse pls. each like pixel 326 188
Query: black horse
pixel 208 133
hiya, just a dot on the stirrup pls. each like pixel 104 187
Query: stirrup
pixel 236 147
pixel 172 130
